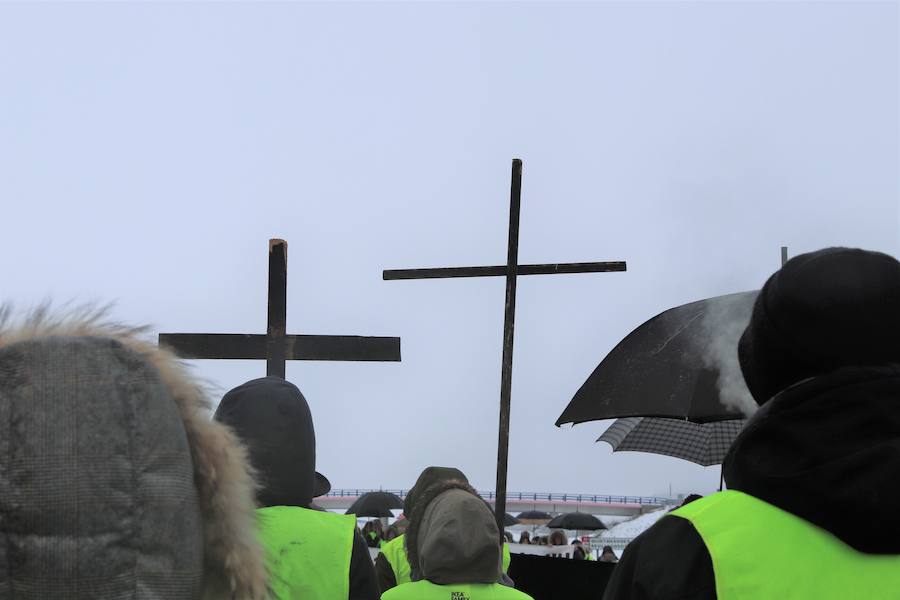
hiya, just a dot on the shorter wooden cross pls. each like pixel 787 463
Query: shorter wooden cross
pixel 510 271
pixel 276 346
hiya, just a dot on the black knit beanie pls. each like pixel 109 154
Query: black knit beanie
pixel 824 310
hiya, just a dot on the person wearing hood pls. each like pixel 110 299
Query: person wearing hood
pixel 114 482
pixel 313 555
pixel 392 565
pixel 453 544
pixel 810 510
pixel 608 555
pixel 580 552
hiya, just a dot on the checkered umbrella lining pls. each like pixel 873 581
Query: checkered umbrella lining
pixel 705 444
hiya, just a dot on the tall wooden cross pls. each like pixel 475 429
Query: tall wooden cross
pixel 276 346
pixel 510 271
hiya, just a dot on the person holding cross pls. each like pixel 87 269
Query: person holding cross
pixel 312 554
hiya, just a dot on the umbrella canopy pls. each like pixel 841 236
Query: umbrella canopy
pixel 509 520
pixel 576 521
pixel 375 504
pixel 702 443
pixel 662 368
pixel 534 517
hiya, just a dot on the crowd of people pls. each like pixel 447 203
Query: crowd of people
pixel 557 538
pixel 116 483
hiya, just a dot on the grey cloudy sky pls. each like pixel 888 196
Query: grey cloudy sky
pixel 149 150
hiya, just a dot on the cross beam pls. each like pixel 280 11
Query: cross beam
pixel 248 346
pixel 276 346
pixel 511 270
pixel 501 270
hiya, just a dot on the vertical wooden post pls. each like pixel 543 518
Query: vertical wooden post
pixel 784 255
pixel 509 323
pixel 277 321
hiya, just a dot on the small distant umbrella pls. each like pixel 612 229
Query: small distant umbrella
pixel 375 504
pixel 509 520
pixel 659 369
pixel 534 517
pixel 576 521
pixel 702 443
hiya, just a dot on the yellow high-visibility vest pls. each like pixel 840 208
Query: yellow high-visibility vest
pixel 761 551
pixel 425 590
pixel 307 552
pixel 395 553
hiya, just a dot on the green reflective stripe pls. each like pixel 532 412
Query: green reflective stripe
pixel 506 557
pixel 308 552
pixel 761 551
pixel 395 553
pixel 425 590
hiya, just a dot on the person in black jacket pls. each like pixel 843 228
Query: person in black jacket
pixel 272 418
pixel 821 355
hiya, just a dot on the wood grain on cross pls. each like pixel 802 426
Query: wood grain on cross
pixel 276 346
pixel 511 270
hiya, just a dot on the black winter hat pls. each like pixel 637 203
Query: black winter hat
pixel 271 416
pixel 822 311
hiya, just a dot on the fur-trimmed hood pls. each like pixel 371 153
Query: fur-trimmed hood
pixel 114 480
pixel 453 537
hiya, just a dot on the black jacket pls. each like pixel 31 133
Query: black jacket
pixel 384 573
pixel 272 418
pixel 824 449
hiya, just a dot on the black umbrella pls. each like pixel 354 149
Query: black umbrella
pixel 534 517
pixel 375 504
pixel 702 443
pixel 576 521
pixel 663 368
pixel 509 520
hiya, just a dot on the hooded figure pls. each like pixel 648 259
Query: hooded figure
pixel 392 564
pixel 810 511
pixel 454 544
pixel 114 482
pixel 312 554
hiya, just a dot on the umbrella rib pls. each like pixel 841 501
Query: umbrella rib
pixel 677 333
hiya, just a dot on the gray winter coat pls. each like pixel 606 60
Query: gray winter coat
pixel 114 482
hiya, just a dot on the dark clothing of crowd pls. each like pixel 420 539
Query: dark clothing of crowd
pixel 821 358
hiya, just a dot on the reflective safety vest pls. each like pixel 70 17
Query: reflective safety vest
pixel 308 552
pixel 425 590
pixel 761 551
pixel 395 553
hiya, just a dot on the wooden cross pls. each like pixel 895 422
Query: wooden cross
pixel 276 346
pixel 511 270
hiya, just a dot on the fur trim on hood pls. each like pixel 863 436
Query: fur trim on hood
pixel 233 558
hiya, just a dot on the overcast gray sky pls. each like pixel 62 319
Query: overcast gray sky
pixel 148 151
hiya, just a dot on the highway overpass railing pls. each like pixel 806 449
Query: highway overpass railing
pixel 534 497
